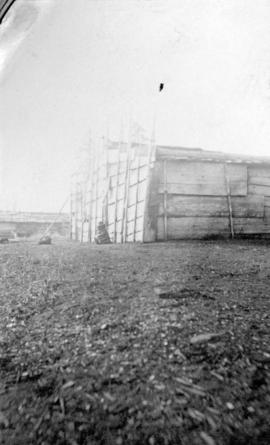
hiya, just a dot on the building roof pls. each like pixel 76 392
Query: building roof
pixel 189 154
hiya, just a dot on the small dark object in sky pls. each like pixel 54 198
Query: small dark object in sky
pixel 45 240
pixel 4 240
pixel 161 86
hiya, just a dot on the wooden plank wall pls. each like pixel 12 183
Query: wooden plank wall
pixel 196 204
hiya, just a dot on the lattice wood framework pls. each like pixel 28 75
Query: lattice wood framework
pixel 114 191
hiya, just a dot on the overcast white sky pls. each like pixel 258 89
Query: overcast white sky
pixel 69 67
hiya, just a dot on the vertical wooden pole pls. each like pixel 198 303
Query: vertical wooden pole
pixel 165 198
pixel 125 207
pixel 82 210
pixel 96 190
pixel 71 208
pixel 136 199
pixel 228 190
pixel 124 200
pixel 77 198
pixel 151 154
pixel 105 180
pixel 90 212
pixel 151 157
pixel 91 183
pixel 116 194
pixel 126 196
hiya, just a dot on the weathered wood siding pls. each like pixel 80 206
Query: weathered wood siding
pixel 212 206
pixel 203 178
pixel 190 199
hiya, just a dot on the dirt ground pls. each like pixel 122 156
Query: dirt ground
pixel 137 344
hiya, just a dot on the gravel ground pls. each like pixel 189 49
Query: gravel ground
pixel 137 344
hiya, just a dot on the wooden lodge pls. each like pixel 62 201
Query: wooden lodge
pixel 153 193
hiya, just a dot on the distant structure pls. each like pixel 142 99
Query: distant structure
pixel 29 224
pixel 143 192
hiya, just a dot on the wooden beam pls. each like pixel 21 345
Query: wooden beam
pixel 165 196
pixel 90 205
pixel 227 182
pixel 116 195
pixel 125 204
pixel 96 193
pixel 136 201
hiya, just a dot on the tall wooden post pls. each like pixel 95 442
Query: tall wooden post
pixel 228 191
pixel 126 195
pixel 91 185
pixel 116 195
pixel 165 199
pixel 125 208
pixel 96 189
pixel 136 199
